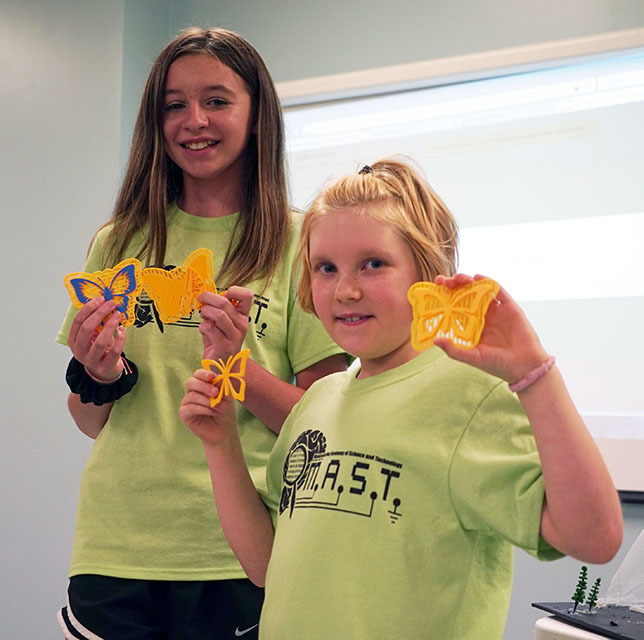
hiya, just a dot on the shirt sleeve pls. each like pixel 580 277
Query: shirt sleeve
pixel 496 481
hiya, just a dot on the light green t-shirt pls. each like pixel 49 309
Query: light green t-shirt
pixel 397 500
pixel 146 508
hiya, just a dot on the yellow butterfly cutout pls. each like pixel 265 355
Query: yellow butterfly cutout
pixel 122 284
pixel 457 314
pixel 228 376
pixel 175 292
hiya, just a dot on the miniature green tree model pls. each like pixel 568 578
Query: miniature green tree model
pixel 592 594
pixel 580 591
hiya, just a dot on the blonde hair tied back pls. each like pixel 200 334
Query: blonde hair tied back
pixel 391 190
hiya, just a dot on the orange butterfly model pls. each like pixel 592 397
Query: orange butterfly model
pixel 230 373
pixel 175 292
pixel 122 284
pixel 457 314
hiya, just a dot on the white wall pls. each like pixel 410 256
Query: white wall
pixel 302 38
pixel 60 79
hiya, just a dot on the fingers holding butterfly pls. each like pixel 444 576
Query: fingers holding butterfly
pixel 96 338
pixel 508 346
pixel 225 321
pixel 211 424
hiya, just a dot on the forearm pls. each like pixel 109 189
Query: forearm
pixel 244 518
pixel 582 514
pixel 89 418
pixel 269 398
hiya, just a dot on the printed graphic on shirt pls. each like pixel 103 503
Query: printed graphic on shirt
pixel 146 312
pixel 349 482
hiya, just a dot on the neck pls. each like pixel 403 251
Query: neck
pixel 204 199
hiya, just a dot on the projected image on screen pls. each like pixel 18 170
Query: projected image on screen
pixel 545 173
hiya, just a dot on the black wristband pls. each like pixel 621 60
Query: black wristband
pixel 91 391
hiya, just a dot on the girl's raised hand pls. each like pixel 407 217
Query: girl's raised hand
pixel 508 348
pixel 213 425
pixel 99 351
pixel 224 321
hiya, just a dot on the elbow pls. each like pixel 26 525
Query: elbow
pixel 603 543
pixel 595 538
pixel 259 582
pixel 612 536
pixel 257 576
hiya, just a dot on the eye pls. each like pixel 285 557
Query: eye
pixel 173 106
pixel 217 102
pixel 325 268
pixel 374 264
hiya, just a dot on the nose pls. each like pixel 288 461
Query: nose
pixel 196 117
pixel 347 288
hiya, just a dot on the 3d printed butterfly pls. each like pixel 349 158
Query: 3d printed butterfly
pixel 175 292
pixel 121 284
pixel 230 376
pixel 457 314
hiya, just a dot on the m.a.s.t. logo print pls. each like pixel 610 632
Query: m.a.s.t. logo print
pixel 349 482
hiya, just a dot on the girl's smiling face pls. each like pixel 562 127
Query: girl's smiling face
pixel 207 119
pixel 361 270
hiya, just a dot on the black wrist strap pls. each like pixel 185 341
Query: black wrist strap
pixel 93 392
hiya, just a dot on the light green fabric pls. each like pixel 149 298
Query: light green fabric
pixel 146 508
pixel 400 496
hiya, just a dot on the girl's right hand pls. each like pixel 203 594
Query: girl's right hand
pixel 98 351
pixel 212 425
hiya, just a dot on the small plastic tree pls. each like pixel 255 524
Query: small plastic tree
pixel 580 591
pixel 591 601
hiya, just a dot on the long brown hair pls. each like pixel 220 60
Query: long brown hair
pixel 152 180
pixel 393 191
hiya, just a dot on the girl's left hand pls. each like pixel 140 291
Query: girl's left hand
pixel 509 348
pixel 224 321
pixel 213 425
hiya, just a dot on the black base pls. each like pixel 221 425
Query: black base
pixel 611 621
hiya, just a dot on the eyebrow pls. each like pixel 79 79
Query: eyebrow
pixel 214 87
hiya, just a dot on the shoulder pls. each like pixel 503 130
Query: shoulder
pixel 455 388
pixel 454 372
pixel 331 380
pixel 295 219
pixel 325 388
pixel 100 236
pixel 292 243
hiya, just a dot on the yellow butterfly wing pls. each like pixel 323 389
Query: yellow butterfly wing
pixel 201 262
pixel 468 307
pixel 430 306
pixel 122 283
pixel 170 292
pixel 458 314
pixel 175 292
pixel 230 376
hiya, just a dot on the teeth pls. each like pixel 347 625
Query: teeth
pixel 351 318
pixel 195 146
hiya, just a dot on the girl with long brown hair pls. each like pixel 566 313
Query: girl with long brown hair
pixel 206 170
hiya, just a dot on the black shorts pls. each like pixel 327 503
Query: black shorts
pixel 104 608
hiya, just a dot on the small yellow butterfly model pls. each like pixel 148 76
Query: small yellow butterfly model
pixel 122 284
pixel 457 314
pixel 175 292
pixel 230 374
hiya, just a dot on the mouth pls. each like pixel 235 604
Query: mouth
pixel 198 146
pixel 353 318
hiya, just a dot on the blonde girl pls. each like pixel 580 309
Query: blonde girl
pixel 396 492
